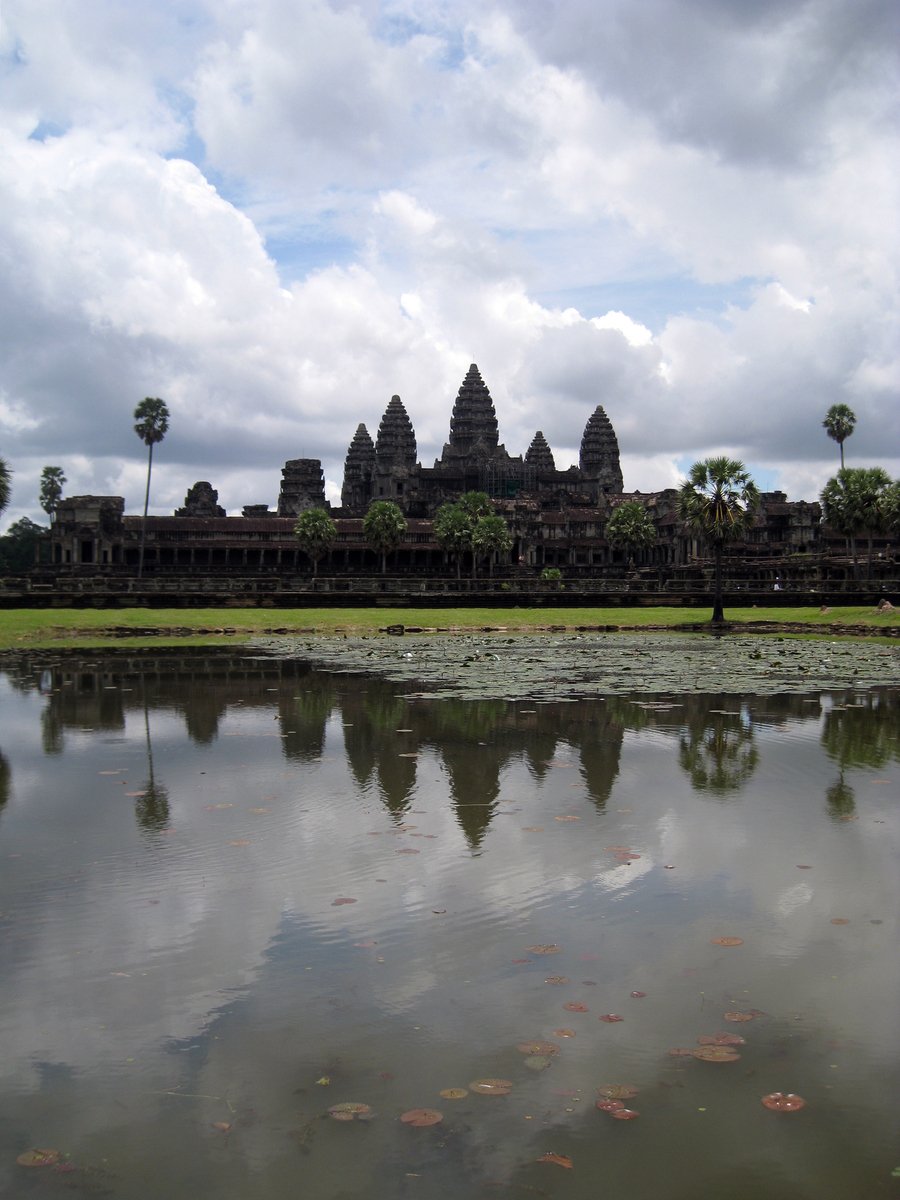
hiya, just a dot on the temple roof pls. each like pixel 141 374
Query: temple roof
pixel 539 454
pixel 396 444
pixel 473 424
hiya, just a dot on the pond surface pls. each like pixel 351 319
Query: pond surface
pixel 236 892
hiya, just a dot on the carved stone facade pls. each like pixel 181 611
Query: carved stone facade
pixel 201 501
pixel 472 460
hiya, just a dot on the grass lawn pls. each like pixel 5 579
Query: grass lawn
pixel 61 627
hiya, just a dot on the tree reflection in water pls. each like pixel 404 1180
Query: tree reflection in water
pixel 717 747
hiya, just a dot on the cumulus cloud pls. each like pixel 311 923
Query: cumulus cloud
pixel 277 217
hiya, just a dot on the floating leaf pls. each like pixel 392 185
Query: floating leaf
pixel 716 1054
pixel 575 1006
pixel 222 1126
pixel 538 1062
pixel 625 1114
pixel 737 1017
pixel 564 1033
pixel 420 1117
pixel 240 842
pixel 721 1039
pixel 537 1048
pixel 38 1158
pixel 453 1093
pixel 840 920
pixel 638 995
pixel 609 1106
pixel 567 817
pixel 727 941
pixel 617 1091
pixel 556 979
pixel 544 948
pixel 784 1102
pixel 611 1018
pixel 491 1087
pixel 559 1160
pixel 533 828
pixel 349 1110
pixel 343 900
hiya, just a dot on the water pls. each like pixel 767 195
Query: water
pixel 237 892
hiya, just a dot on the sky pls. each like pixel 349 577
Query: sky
pixel 276 214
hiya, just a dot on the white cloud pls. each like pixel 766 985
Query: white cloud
pixel 277 217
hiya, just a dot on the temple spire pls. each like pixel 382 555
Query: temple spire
pixel 473 425
pixel 539 455
pixel 599 459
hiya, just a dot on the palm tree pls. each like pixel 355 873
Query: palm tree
pixel 839 423
pixel 453 531
pixel 151 424
pixel 630 525
pixel 5 484
pixel 52 482
pixel 384 526
pixel 717 500
pixel 490 537
pixel 857 500
pixel 315 531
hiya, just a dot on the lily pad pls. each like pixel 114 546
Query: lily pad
pixel 538 1062
pixel 349 1110
pixel 559 1160
pixel 544 948
pixel 717 1054
pixel 36 1157
pixel 784 1102
pixel 456 1093
pixel 727 941
pixel 491 1087
pixel 420 1117
pixel 617 1091
pixel 546 1048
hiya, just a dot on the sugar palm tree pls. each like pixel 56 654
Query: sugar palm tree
pixel 5 484
pixel 384 526
pixel 52 483
pixel 151 424
pixel 717 500
pixel 315 531
pixel 839 423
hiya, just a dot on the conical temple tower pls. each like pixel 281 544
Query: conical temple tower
pixel 473 425
pixel 359 470
pixel 539 455
pixel 395 454
pixel 599 458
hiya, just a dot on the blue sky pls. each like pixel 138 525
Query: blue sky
pixel 276 215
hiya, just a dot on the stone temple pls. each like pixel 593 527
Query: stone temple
pixel 473 460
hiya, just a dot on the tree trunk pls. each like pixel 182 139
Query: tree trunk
pixel 146 506
pixel 718 615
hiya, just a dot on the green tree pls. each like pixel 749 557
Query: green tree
pixel 490 537
pixel 717 500
pixel 5 484
pixel 52 483
pixel 839 423
pixel 18 546
pixel 453 531
pixel 631 526
pixel 858 501
pixel 315 531
pixel 151 424
pixel 384 527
